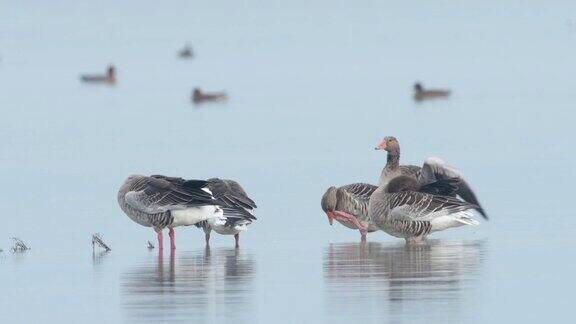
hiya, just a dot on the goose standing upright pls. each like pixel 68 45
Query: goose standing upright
pixel 237 207
pixel 158 201
pixel 401 211
pixel 433 169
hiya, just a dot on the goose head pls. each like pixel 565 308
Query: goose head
pixel 328 203
pixel 388 144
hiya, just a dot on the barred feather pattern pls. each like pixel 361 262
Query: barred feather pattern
pixel 416 211
pixel 354 199
pixel 158 220
pixel 411 228
pixel 360 189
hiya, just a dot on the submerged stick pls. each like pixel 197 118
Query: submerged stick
pixel 150 245
pixel 19 245
pixel 97 239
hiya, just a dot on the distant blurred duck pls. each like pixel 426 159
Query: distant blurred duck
pixel 109 77
pixel 186 52
pixel 422 94
pixel 199 97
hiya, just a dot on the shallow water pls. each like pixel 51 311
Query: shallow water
pixel 313 87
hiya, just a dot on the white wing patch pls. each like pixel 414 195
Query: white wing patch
pixel 438 164
pixel 191 216
pixel 207 191
pixel 453 220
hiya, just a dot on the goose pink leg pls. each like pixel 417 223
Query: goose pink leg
pixel 172 235
pixel 351 219
pixel 160 240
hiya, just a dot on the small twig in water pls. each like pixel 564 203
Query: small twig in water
pixel 97 239
pixel 150 245
pixel 19 245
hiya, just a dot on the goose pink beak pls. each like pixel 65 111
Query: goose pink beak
pixel 381 146
pixel 330 217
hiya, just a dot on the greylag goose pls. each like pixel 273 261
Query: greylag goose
pixel 199 97
pixel 109 77
pixel 433 169
pixel 349 206
pixel 158 201
pixel 421 94
pixel 237 211
pixel 186 52
pixel 400 211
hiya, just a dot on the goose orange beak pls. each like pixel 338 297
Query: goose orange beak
pixel 330 217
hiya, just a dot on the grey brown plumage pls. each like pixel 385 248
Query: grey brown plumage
pixel 150 201
pixel 432 170
pixel 412 214
pixel 351 199
pixel 444 187
pixel 160 201
pixel 236 205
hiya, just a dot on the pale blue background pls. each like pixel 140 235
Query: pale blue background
pixel 313 86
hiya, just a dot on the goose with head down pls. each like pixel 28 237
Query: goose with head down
pixel 237 210
pixel 349 204
pixel 160 202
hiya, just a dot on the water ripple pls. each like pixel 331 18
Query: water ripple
pixel 195 286
pixel 398 281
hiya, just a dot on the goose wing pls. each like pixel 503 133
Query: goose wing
pixel 364 190
pixel 411 205
pixel 435 169
pixel 235 201
pixel 354 198
pixel 160 194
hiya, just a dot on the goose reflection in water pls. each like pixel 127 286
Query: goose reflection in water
pixel 201 285
pixel 400 281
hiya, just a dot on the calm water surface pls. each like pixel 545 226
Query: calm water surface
pixel 313 87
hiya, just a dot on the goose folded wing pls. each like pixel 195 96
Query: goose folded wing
pixel 160 195
pixel 422 206
pixel 360 189
pixel 230 194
